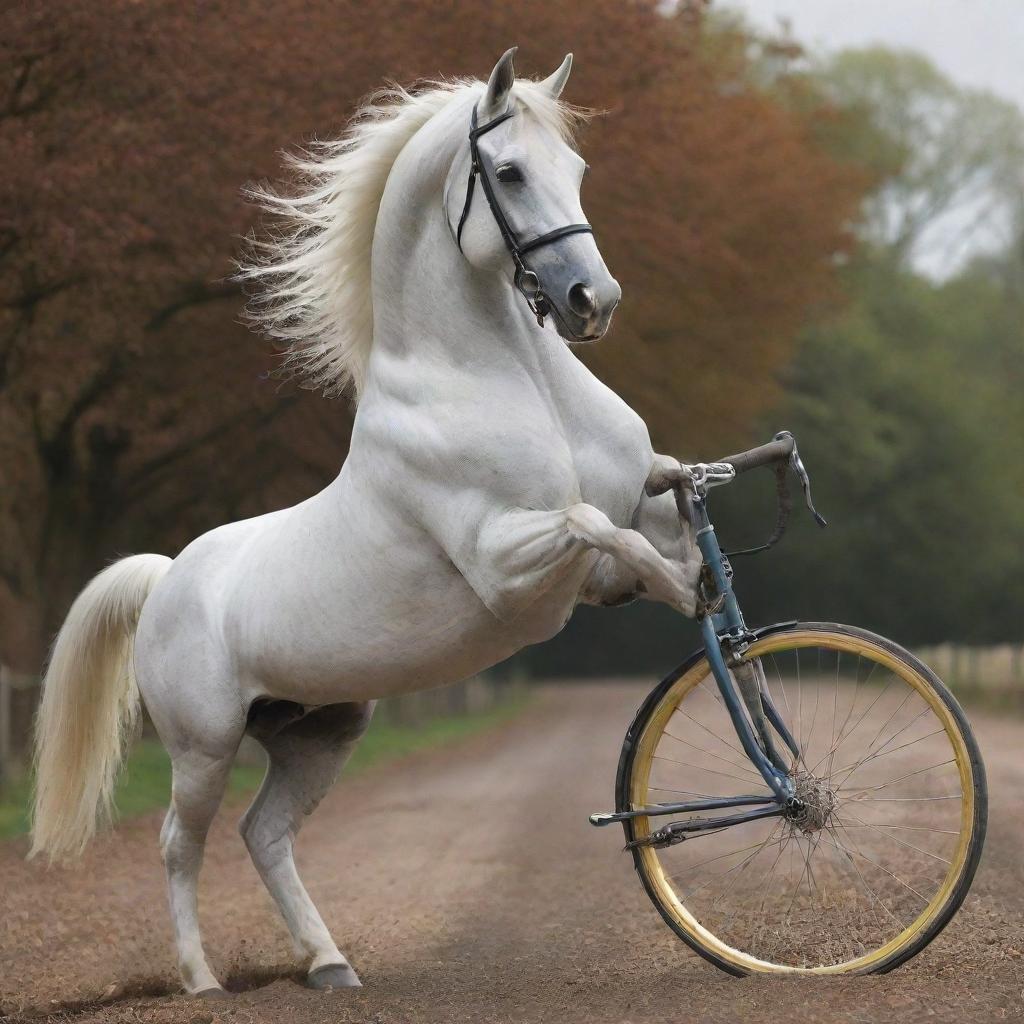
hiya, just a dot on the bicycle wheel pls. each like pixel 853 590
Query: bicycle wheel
pixel 892 826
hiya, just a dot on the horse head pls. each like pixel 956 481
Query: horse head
pixel 512 201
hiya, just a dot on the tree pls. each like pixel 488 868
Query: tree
pixel 907 406
pixel 135 412
pixel 725 218
pixel 949 158
pixel 908 419
pixel 113 324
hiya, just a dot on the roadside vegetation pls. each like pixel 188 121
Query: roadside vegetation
pixel 146 782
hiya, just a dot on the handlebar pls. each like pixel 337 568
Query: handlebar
pixel 779 449
pixel 781 452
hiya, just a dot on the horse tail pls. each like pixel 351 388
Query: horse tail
pixel 89 707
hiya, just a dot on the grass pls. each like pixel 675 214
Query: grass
pixel 146 781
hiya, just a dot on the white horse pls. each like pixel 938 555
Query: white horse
pixel 492 484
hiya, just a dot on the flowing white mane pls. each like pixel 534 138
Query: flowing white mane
pixel 310 277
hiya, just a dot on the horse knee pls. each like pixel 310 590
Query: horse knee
pixel 590 524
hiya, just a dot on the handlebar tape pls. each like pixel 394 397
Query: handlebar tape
pixel 779 450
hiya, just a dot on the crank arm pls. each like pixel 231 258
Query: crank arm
pixel 610 817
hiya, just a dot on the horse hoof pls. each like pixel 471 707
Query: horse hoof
pixel 211 993
pixel 332 976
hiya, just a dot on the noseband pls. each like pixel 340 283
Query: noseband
pixel 525 279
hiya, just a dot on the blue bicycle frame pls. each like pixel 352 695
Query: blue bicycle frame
pixel 726 640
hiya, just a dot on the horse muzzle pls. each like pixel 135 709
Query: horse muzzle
pixel 583 311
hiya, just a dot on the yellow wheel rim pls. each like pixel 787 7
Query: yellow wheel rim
pixel 639 795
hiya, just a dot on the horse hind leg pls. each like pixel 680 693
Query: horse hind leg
pixel 198 781
pixel 305 754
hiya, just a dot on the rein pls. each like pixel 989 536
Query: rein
pixel 526 280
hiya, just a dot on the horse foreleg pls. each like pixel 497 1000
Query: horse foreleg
pixel 304 759
pixel 663 579
pixel 666 474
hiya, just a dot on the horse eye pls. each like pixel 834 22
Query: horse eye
pixel 508 172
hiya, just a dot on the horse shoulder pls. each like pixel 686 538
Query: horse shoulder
pixel 611 445
pixel 489 487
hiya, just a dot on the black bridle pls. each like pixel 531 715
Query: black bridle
pixel 525 279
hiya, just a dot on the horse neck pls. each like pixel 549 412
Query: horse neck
pixel 432 308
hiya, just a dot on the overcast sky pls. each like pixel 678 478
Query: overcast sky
pixel 976 42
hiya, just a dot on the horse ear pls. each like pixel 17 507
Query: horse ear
pixel 499 85
pixel 555 83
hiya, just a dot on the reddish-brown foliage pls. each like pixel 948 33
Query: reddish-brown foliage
pixel 135 412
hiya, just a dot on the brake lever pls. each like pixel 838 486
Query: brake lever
pixel 785 504
pixel 797 465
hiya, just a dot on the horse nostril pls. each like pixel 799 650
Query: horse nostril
pixel 582 300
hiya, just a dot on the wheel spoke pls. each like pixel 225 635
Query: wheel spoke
pixel 700 767
pixel 721 874
pixel 864 713
pixel 870 752
pixel 902 778
pixel 711 753
pixel 883 753
pixel 853 704
pixel 835 708
pixel 857 823
pixel 710 732
pixel 684 792
pixel 901 799
pixel 877 898
pixel 882 867
pixel 721 856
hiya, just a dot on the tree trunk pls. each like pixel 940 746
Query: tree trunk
pixel 19 694
pixel 5 725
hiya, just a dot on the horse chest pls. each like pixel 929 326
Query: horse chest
pixel 611 467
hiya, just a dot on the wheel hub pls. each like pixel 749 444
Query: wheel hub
pixel 811 804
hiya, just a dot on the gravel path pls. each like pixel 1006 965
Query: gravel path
pixel 466 885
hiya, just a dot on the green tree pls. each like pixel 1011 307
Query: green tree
pixel 949 159
pixel 908 419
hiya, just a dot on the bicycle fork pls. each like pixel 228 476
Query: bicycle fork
pixel 726 641
pixel 749 692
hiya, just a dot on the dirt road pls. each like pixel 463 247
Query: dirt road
pixel 466 885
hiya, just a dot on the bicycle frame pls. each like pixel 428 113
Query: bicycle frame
pixel 726 639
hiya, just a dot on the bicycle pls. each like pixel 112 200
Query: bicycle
pixel 850 790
